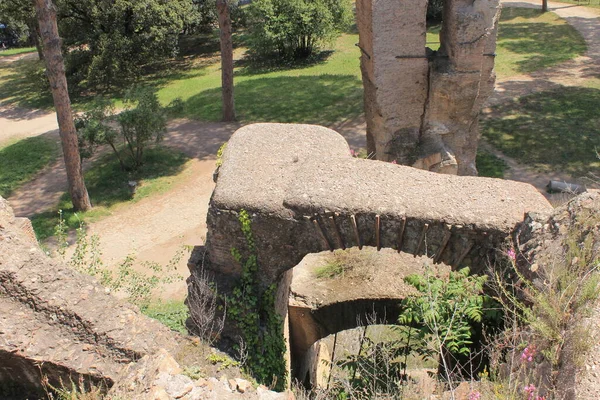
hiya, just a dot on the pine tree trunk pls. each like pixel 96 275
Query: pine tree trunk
pixel 226 60
pixel 34 34
pixel 46 15
pixel 544 5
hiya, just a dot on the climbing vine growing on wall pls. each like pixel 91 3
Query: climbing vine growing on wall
pixel 253 311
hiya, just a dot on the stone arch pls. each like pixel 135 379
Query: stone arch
pixel 361 294
pixel 305 194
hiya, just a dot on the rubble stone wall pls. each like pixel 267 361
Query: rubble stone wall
pixel 305 194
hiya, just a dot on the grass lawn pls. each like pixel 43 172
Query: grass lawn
pixel 490 166
pixel 170 313
pixel 21 160
pixel 529 40
pixel 323 91
pixel 15 51
pixel 556 130
pixel 22 84
pixel 332 89
pixel 108 188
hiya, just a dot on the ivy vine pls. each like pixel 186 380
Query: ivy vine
pixel 253 311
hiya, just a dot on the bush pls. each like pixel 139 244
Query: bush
pixel 295 28
pixel 142 122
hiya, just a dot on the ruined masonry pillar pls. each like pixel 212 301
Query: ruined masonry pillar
pixel 422 106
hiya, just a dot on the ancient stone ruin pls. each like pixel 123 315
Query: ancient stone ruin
pixel 422 106
pixel 62 327
pixel 306 194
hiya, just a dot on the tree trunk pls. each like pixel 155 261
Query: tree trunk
pixel 226 60
pixel 34 34
pixel 544 5
pixel 55 66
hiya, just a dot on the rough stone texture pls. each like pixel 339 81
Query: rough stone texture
pixel 159 377
pixel 541 242
pixel 395 89
pixel 300 180
pixel 304 190
pixel 59 323
pixel 362 294
pixel 422 106
pixel 319 307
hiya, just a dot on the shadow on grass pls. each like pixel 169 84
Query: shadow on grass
pixel 544 44
pixel 510 13
pixel 490 166
pixel 299 99
pixel 20 161
pixel 249 65
pixel 555 130
pixel 22 84
pixel 108 186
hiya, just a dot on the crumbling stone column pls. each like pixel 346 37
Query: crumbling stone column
pixel 422 106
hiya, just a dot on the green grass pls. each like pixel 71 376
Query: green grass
pixel 15 51
pixel 529 40
pixel 319 92
pixel 323 91
pixel 22 84
pixel 557 130
pixel 21 160
pixel 108 188
pixel 332 89
pixel 170 313
pixel 330 270
pixel 490 166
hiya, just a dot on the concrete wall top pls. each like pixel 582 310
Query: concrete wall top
pixel 292 170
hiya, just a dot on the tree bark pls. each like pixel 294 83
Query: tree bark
pixel 226 60
pixel 544 5
pixel 55 66
pixel 34 34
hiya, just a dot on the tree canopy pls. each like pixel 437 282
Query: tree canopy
pixel 110 42
pixel 295 28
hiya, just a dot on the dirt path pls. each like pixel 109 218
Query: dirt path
pixel 587 22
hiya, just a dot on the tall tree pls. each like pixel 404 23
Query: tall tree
pixel 544 5
pixel 20 13
pixel 46 15
pixel 113 43
pixel 223 12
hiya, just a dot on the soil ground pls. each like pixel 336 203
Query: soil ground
pixel 154 228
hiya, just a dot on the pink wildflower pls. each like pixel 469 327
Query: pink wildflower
pixel 474 395
pixel 352 152
pixel 530 391
pixel 394 162
pixel 528 353
pixel 511 254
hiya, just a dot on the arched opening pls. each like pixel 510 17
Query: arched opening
pixel 332 292
pixel 348 293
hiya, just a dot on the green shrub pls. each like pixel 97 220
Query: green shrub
pixel 295 28
pixel 142 122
